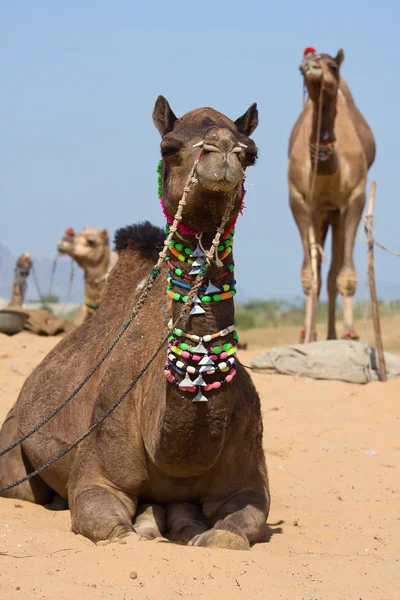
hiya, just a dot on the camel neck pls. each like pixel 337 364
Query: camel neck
pixel 328 117
pixel 95 279
pixel 200 364
pixel 18 289
pixel 323 139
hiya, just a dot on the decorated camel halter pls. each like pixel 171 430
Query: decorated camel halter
pixel 189 366
pixel 320 150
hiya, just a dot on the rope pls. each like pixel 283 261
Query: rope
pixel 151 279
pixel 53 272
pixel 36 281
pixel 314 247
pixel 91 429
pixel 84 381
pixel 69 291
pixel 186 307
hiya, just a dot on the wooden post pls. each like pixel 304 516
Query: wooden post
pixel 311 309
pixel 372 286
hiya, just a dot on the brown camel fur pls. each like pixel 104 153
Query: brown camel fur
pixel 22 269
pixel 195 469
pixel 347 151
pixel 91 251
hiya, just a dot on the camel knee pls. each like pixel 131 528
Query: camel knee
pixel 306 280
pixel 347 281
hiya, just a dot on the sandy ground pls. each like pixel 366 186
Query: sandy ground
pixel 333 452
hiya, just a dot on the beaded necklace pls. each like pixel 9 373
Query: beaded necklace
pixel 210 361
pixel 216 359
pixel 195 385
pixel 179 273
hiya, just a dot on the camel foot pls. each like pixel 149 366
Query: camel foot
pixel 185 522
pixel 150 521
pixel 219 538
pixel 350 335
pixel 303 336
pixel 122 539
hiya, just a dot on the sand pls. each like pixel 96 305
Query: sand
pixel 333 453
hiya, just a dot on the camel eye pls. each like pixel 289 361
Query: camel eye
pixel 170 148
pixel 91 243
pixel 333 68
pixel 251 155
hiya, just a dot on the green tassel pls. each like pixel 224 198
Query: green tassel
pixel 159 170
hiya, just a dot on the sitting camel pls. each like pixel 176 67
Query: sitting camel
pixel 182 455
pixel 91 251
pixel 332 132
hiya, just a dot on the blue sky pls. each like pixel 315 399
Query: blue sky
pixel 79 81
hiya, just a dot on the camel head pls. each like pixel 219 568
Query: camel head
pixel 320 69
pixel 227 151
pixel 24 262
pixel 66 244
pixel 88 247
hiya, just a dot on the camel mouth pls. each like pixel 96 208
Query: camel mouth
pixel 313 73
pixel 63 247
pixel 220 177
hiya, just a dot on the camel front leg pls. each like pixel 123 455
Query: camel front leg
pixel 236 523
pixel 102 513
pixel 301 216
pixel 347 278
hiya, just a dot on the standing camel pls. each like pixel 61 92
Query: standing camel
pixel 182 455
pixel 332 135
pixel 91 251
pixel 21 273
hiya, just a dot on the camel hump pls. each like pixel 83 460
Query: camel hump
pixel 144 237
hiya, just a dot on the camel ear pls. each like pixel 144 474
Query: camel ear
pixel 163 117
pixel 248 122
pixel 339 58
pixel 104 235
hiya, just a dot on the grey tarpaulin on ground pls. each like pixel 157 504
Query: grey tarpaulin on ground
pixel 342 360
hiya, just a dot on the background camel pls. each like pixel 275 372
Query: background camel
pixel 346 152
pixel 91 251
pixel 22 269
pixel 200 464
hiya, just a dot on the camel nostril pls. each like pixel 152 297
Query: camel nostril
pixel 211 148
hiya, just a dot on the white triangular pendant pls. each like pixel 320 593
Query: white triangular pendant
pixel 207 369
pixel 198 262
pixel 196 299
pixel 195 271
pixel 199 397
pixel 206 360
pixel 187 382
pixel 199 381
pixel 212 289
pixel 199 349
pixel 197 310
pixel 197 252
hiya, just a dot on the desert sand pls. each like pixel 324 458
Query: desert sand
pixel 333 453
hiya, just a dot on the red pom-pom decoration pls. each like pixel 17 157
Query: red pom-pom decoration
pixel 309 50
pixel 70 231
